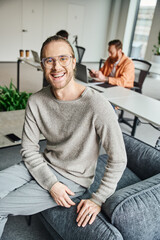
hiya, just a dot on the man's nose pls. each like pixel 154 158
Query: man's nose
pixel 56 64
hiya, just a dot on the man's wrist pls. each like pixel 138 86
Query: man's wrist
pixel 53 186
pixel 107 79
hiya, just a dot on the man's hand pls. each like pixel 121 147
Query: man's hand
pixel 87 212
pixel 99 75
pixel 92 73
pixel 60 193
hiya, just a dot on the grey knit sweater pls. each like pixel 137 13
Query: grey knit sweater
pixel 73 130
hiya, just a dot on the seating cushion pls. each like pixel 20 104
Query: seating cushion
pixel 135 210
pixel 128 177
pixel 143 159
pixel 63 221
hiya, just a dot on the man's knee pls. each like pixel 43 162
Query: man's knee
pixel 12 178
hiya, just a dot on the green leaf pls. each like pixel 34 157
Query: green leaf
pixel 11 99
pixel 3 103
pixel 10 86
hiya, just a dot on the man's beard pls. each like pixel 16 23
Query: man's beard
pixel 59 86
pixel 112 60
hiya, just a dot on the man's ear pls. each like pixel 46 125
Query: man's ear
pixel 42 66
pixel 74 63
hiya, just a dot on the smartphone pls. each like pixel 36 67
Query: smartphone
pixel 90 70
pixel 12 137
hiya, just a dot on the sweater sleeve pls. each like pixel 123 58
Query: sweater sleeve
pixel 30 152
pixel 108 129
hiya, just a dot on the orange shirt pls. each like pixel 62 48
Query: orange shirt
pixel 124 75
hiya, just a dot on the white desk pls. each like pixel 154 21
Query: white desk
pixel 139 105
pixel 11 122
pixel 114 92
pixel 32 63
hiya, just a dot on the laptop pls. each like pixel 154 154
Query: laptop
pixel 36 57
pixel 81 74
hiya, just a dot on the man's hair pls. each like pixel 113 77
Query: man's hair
pixel 117 43
pixel 56 38
pixel 63 33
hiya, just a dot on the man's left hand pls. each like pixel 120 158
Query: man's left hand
pixel 100 77
pixel 87 212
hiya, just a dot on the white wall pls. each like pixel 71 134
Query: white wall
pixel 45 18
pixel 96 22
pixel 10 29
pixel 95 29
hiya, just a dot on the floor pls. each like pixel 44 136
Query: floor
pixel 17 229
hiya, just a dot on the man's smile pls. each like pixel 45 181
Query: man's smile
pixel 58 75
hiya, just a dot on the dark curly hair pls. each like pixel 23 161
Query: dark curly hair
pixel 117 43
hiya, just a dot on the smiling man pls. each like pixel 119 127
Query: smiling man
pixel 118 68
pixel 74 125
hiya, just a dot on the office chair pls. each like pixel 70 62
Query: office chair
pixel 141 70
pixel 80 51
pixel 101 61
pixel 157 146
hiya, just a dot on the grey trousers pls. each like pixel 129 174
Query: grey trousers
pixel 20 194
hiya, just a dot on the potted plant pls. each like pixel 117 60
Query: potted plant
pixel 156 51
pixel 11 99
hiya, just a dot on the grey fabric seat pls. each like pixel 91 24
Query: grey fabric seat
pixel 131 213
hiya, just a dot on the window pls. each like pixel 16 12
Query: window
pixel 142 28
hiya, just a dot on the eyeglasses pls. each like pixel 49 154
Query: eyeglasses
pixel 64 61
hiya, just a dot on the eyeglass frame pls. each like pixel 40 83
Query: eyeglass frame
pixel 54 60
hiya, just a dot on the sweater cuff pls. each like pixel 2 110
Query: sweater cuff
pixel 96 200
pixel 50 183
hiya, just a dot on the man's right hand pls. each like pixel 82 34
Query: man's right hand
pixel 92 73
pixel 99 75
pixel 60 193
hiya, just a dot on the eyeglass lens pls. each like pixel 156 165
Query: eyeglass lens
pixel 63 60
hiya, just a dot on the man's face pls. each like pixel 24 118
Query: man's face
pixel 58 76
pixel 114 54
